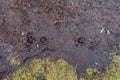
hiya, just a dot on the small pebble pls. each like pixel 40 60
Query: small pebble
pixel 22 33
pixel 102 30
pixel 37 45
pixel 96 63
pixel 108 32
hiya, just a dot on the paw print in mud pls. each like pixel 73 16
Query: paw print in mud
pixel 44 40
pixel 29 40
pixel 80 41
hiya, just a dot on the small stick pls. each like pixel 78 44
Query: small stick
pixel 57 21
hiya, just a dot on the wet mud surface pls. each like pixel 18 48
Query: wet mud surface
pixel 83 32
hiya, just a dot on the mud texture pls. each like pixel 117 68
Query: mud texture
pixel 86 33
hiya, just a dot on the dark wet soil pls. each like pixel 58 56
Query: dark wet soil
pixel 83 32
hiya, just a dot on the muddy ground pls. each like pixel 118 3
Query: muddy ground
pixel 86 33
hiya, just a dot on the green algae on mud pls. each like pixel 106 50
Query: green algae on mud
pixel 40 69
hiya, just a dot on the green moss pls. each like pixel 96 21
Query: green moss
pixel 112 72
pixel 82 78
pixel 44 69
pixel 61 71
pixel 39 69
pixel 89 71
pixel 28 72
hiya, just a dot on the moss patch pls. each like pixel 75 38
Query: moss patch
pixel 39 69
pixel 112 72
pixel 89 71
pixel 44 70
pixel 61 71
